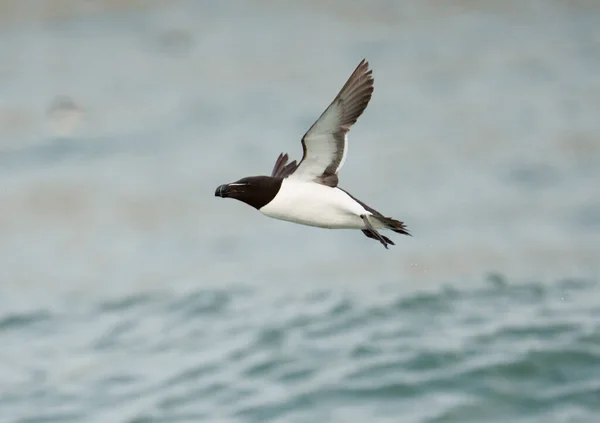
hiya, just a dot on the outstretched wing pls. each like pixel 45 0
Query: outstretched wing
pixel 325 144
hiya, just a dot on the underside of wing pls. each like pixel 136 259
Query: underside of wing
pixel 324 145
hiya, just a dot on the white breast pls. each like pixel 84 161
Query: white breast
pixel 313 204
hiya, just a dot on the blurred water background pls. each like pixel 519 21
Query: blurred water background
pixel 128 293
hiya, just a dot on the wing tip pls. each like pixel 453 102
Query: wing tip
pixel 282 168
pixel 361 77
pixel 363 68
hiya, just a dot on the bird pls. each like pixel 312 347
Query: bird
pixel 307 192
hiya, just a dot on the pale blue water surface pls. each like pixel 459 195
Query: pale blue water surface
pixel 129 293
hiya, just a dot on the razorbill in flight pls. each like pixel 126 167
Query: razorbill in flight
pixel 308 192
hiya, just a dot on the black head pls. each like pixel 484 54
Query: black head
pixel 256 191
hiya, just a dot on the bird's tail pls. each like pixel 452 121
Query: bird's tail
pixel 393 224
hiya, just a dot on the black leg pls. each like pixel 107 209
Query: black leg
pixel 372 233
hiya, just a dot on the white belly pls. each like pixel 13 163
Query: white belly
pixel 314 204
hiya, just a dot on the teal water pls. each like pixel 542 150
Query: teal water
pixel 499 352
pixel 128 293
